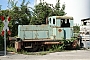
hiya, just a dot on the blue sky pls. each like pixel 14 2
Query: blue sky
pixel 4 3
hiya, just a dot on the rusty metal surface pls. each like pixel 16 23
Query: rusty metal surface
pixel 31 40
pixel 52 43
pixel 33 32
pixel 17 45
pixel 12 38
pixel 64 17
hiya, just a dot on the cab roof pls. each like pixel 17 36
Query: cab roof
pixel 65 17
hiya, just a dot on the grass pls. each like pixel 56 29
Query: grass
pixel 54 48
pixel 34 53
pixel 40 53
pixel 11 49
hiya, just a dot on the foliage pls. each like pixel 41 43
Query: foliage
pixel 44 10
pixel 41 12
pixel 59 11
pixel 57 48
pixel 1 43
pixel 76 29
pixel 1 38
pixel 66 44
pixel 11 49
pixel 20 15
pixel 71 43
pixel 35 53
pixel 12 3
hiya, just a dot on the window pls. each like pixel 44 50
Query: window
pixel 50 20
pixel 53 21
pixel 65 23
pixel 62 22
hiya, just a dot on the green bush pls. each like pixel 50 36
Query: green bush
pixel 10 49
pixel 67 44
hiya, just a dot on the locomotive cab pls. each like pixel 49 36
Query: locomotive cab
pixel 62 26
pixel 60 21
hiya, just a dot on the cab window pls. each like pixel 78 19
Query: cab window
pixel 65 23
pixel 50 20
pixel 53 20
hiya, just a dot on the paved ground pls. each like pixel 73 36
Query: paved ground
pixel 69 55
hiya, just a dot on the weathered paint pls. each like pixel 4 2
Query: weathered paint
pixel 52 43
pixel 58 22
pixel 51 21
pixel 65 17
pixel 58 35
pixel 68 33
pixel 71 23
pixel 33 31
pixel 53 31
pixel 44 33
pixel 28 34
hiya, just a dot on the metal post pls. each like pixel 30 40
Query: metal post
pixel 5 43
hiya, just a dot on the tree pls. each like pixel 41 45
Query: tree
pixel 1 38
pixel 40 13
pixel 20 15
pixel 59 11
pixel 44 10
